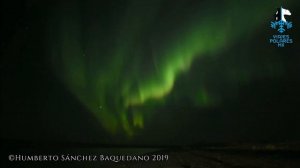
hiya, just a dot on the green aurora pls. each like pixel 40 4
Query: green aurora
pixel 121 60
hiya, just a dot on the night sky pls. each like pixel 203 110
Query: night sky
pixel 159 72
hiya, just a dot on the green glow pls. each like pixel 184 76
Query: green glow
pixel 123 65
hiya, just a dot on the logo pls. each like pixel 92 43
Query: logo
pixel 281 25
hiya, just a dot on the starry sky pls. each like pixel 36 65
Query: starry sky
pixel 159 72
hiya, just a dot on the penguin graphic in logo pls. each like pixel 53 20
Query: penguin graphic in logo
pixel 281 12
pixel 280 20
